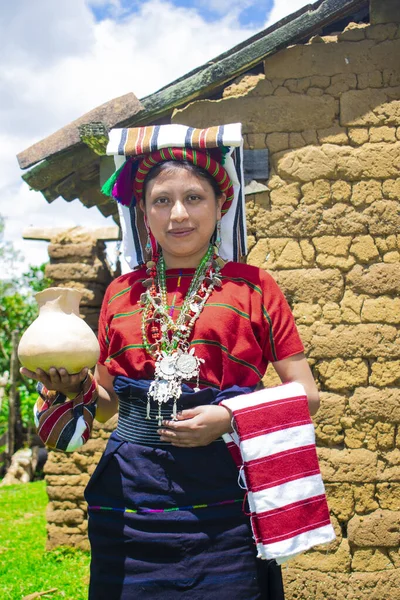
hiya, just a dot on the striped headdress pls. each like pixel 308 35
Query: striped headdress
pixel 218 150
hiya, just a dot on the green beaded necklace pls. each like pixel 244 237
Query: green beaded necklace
pixel 174 361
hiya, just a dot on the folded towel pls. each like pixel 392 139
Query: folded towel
pixel 274 446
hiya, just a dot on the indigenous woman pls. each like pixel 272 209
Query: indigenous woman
pixel 187 329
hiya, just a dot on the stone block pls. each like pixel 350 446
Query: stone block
pixel 371 559
pixel 333 251
pixel 333 135
pixel 375 280
pixel 305 313
pixel 341 191
pixel 298 86
pixel 380 528
pixel 350 306
pixel 68 517
pixel 331 59
pixel 364 249
pixel 391 257
pixel 65 492
pixel 316 192
pixel 364 498
pixel 394 555
pixel 59 463
pixel 331 312
pixel 97 272
pixel 353 341
pixel 373 79
pixel 370 107
pixel 342 83
pixel 391 77
pixel 372 436
pixel 374 586
pixel 386 11
pixel 353 32
pixel 306 164
pixel 281 91
pixel 80 251
pixel 342 375
pixel 391 189
pixel 281 253
pixel 389 466
pixel 289 113
pixel 296 140
pixel 81 479
pixel 286 194
pixel 387 243
pixel 380 33
pixel 382 134
pixel 383 309
pixel 310 137
pixel 385 373
pixel 340 497
pixel 255 141
pixel 388 496
pixel 321 81
pixel 62 536
pixel 327 421
pixel 374 403
pixel 311 285
pixel 277 142
pixel 242 85
pixel 338 561
pixel 358 135
pixel 314 585
pixel 366 192
pixel 375 161
pixel 347 466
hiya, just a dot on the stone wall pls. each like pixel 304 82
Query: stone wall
pixel 78 260
pixel 328 229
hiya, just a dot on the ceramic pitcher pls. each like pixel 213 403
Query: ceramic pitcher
pixel 58 337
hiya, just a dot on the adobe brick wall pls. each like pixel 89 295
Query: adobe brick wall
pixel 328 230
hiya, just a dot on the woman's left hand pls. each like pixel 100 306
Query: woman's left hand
pixel 197 426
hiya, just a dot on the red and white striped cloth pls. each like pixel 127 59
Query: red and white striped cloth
pixel 274 447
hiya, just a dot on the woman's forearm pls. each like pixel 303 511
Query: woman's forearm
pixel 107 405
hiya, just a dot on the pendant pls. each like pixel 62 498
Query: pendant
pixel 170 370
pixel 187 364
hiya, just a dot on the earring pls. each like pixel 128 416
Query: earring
pixel 148 244
pixel 218 240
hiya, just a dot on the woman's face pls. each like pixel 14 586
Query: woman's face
pixel 182 212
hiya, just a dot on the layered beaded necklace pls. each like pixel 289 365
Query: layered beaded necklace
pixel 169 344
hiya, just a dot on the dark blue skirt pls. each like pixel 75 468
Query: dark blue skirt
pixel 203 553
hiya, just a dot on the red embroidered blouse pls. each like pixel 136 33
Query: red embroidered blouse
pixel 245 324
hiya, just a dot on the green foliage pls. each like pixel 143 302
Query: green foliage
pixel 25 566
pixel 17 311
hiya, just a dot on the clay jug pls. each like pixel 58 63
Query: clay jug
pixel 58 337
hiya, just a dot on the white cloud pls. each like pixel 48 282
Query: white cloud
pixel 58 63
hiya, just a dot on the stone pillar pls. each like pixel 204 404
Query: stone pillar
pixel 384 11
pixel 78 260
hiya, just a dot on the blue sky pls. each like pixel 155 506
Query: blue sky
pixel 90 52
pixel 250 13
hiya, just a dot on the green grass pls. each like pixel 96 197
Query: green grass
pixel 25 566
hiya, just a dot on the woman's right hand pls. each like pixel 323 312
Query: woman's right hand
pixel 58 380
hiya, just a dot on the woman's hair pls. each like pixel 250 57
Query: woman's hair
pixel 184 164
